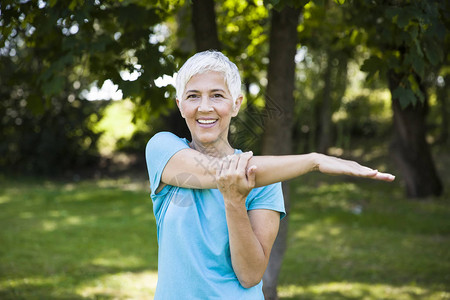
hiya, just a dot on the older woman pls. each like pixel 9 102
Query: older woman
pixel 218 209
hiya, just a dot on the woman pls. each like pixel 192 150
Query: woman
pixel 217 209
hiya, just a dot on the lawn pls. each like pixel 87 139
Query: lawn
pixel 362 240
pixel 85 240
pixel 96 239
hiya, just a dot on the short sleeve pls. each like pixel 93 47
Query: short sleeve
pixel 267 197
pixel 160 148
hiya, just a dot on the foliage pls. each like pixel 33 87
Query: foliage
pixel 322 68
pixel 58 140
pixel 280 4
pixel 39 140
pixel 406 37
pixel 94 40
pixel 51 53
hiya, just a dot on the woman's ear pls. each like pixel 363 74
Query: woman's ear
pixel 180 108
pixel 237 105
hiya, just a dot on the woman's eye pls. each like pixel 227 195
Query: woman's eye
pixel 192 96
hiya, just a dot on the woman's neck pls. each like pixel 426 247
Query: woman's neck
pixel 219 149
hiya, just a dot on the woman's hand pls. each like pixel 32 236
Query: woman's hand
pixel 234 179
pixel 336 166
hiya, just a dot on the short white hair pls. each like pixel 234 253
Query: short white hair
pixel 207 61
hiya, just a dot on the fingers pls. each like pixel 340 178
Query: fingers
pixel 374 174
pixel 234 162
pixel 220 170
pixel 360 170
pixel 233 178
pixel 243 161
pixel 355 169
pixel 384 176
pixel 234 166
pixel 251 176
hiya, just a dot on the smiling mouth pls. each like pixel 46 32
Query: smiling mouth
pixel 207 122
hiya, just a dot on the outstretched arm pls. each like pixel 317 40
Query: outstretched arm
pixel 272 169
pixel 269 169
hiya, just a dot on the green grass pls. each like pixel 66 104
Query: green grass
pixel 348 239
pixel 361 239
pixel 87 240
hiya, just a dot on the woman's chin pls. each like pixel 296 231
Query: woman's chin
pixel 207 138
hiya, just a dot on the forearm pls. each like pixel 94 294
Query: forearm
pixel 248 258
pixel 271 169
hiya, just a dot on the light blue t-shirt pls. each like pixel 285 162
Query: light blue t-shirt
pixel 194 260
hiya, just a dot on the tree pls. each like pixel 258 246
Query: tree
pixel 279 109
pixel 55 50
pixel 203 19
pixel 405 39
pixel 279 120
pixel 324 34
pixel 205 27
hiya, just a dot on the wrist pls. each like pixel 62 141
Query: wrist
pixel 235 204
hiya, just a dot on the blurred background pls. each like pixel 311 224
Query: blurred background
pixel 85 84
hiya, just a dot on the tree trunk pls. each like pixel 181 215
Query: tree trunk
pixel 206 38
pixel 205 28
pixel 278 123
pixel 410 148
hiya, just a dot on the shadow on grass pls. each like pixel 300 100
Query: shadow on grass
pixel 359 295
pixel 31 292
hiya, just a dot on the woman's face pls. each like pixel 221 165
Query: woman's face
pixel 207 106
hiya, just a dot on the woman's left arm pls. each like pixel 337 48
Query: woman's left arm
pixel 251 234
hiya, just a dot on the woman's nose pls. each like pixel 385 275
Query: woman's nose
pixel 205 104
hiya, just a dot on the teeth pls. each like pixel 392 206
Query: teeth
pixel 206 121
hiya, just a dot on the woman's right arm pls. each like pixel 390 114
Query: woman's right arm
pixel 192 169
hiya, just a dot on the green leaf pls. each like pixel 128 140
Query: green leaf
pixel 413 31
pixel 280 4
pixel 403 19
pixel 130 89
pixel 419 66
pixel 372 65
pixel 438 29
pixel 433 51
pixel 418 49
pixel 404 96
pixel 420 95
pixel 417 62
pixel 73 4
pixel 391 12
pixel 415 88
pixel 54 86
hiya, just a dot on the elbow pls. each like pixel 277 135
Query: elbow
pixel 314 158
pixel 250 281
